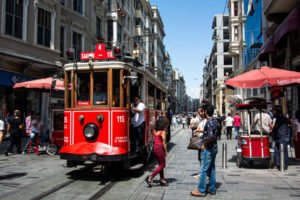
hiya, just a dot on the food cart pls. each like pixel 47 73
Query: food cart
pixel 253 145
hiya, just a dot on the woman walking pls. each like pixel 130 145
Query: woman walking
pixel 160 151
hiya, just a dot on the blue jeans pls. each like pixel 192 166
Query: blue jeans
pixel 236 130
pixel 207 166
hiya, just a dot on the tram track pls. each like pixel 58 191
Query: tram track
pixel 86 185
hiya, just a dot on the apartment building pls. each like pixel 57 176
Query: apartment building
pixel 35 34
pixel 237 43
pixel 219 65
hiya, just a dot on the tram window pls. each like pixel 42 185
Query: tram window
pixel 83 88
pixel 68 95
pixel 100 88
pixel 116 88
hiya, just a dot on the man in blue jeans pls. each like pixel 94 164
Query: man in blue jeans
pixel 209 149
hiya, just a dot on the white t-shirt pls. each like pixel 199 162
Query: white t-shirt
pixel 201 126
pixel 229 121
pixel 138 118
pixel 2 125
pixel 266 121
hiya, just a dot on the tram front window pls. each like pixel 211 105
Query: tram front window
pixel 83 88
pixel 100 88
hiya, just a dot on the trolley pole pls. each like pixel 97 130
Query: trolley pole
pixel 224 155
pixel 281 158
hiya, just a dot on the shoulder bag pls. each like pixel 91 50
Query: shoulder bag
pixel 194 143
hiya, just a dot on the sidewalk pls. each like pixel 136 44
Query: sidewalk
pixel 232 183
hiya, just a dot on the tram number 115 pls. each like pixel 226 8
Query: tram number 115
pixel 120 119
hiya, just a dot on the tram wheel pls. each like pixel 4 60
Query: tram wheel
pixel 51 149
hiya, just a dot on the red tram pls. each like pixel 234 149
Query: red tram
pixel 99 131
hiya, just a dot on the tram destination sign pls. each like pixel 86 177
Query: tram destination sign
pixel 99 54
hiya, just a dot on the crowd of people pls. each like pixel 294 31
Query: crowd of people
pixel 16 128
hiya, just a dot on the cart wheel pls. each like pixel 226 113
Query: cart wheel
pixel 239 160
pixel 51 149
pixel 271 160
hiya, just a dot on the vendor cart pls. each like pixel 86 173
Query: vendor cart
pixel 253 145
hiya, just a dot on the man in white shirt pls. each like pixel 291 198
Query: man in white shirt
pixel 138 123
pixel 229 124
pixel 266 122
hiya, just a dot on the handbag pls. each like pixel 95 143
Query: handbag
pixel 194 143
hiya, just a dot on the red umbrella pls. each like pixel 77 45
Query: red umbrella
pixel 264 76
pixel 44 83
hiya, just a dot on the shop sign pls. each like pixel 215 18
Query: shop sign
pixel 9 78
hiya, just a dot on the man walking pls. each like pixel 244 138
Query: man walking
pixel 15 127
pixel 229 124
pixel 209 149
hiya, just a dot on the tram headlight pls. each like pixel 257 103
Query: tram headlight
pixel 91 131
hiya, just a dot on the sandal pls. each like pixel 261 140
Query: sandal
pixel 149 181
pixel 164 182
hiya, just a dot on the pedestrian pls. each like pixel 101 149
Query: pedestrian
pixel 263 125
pixel 36 131
pixel 237 124
pixel 28 120
pixel 183 121
pixel 14 128
pixel 281 136
pixel 138 123
pixel 229 124
pixel 174 121
pixel 194 123
pixel 160 151
pixel 2 129
pixel 209 149
pixel 200 129
pixel 220 120
pixel 296 135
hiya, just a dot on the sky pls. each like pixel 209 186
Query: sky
pixel 188 39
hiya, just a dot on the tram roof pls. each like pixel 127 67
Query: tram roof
pixel 96 65
pixel 113 65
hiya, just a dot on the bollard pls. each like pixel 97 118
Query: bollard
pixel 224 155
pixel 281 158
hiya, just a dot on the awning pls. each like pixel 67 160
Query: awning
pixel 267 48
pixel 291 23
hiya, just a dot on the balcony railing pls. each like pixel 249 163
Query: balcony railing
pixel 249 55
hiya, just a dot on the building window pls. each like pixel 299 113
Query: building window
pixel 236 33
pixel 62 41
pixel 77 6
pixel 77 44
pixel 62 2
pixel 235 9
pixel 44 27
pixel 98 29
pixel 110 33
pixel 14 18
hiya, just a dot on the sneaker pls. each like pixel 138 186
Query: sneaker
pixel 24 153
pixel 196 193
pixel 196 176
pixel 6 153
